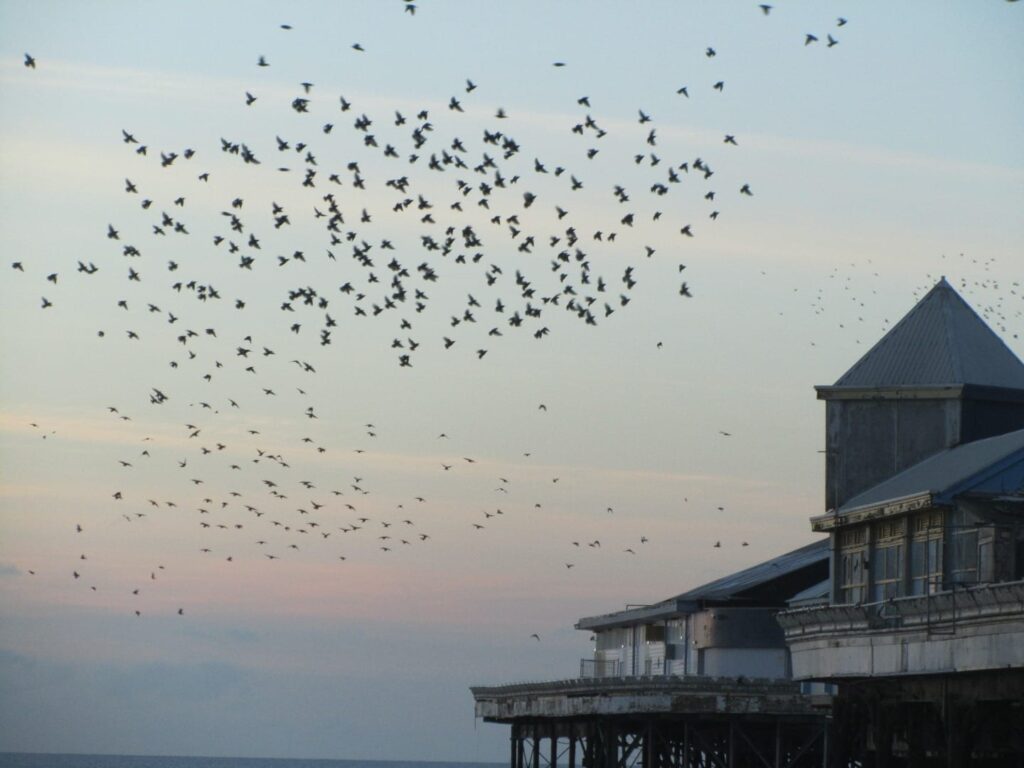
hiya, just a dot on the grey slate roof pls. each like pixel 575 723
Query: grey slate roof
pixel 952 471
pixel 941 341
pixel 736 587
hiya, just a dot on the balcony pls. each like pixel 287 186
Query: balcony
pixel 968 629
pixel 591 668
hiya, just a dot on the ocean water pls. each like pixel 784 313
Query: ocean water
pixel 32 760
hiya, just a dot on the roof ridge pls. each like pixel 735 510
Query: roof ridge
pixel 941 341
pixel 952 348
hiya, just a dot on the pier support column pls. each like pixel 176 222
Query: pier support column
pixel 590 748
pixel 882 736
pixel 611 747
pixel 958 734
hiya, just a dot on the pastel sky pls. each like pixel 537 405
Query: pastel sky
pixel 875 165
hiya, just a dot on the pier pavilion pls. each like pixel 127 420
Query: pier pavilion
pixel 902 634
pixel 702 678
pixel 923 635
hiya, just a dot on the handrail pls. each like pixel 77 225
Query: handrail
pixel 950 606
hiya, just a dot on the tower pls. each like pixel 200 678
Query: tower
pixel 940 377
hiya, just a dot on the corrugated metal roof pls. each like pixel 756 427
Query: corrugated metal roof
pixel 735 584
pixel 940 341
pixel 949 471
pixel 814 594
pixel 731 587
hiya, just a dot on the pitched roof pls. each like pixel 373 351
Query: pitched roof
pixel 753 584
pixel 993 465
pixel 813 595
pixel 738 585
pixel 941 341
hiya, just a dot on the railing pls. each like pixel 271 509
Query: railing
pixel 936 613
pixel 600 668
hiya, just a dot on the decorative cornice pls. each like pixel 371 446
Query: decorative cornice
pixel 833 520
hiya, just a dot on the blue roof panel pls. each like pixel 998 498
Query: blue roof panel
pixel 735 586
pixel 965 467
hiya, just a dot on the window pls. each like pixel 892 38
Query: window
pixel 611 639
pixel 926 554
pixel 677 630
pixel 887 560
pixel 887 572
pixel 963 540
pixel 853 576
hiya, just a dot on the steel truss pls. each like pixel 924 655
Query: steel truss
pixel 685 741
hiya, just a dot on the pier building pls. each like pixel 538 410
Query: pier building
pixel 702 676
pixel 898 640
pixel 923 635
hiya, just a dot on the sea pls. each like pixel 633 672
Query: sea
pixel 34 760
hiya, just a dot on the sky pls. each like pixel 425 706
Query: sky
pixel 530 469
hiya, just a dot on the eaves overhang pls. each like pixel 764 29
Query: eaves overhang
pixel 645 615
pixel 899 506
pixel 921 392
pixel 908 392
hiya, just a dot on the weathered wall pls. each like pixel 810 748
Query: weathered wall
pixel 737 628
pixel 987 418
pixel 748 662
pixel 868 441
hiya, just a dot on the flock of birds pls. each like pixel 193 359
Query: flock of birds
pixel 484 213
pixel 431 229
pixel 491 208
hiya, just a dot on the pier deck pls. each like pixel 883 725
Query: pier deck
pixel 659 722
